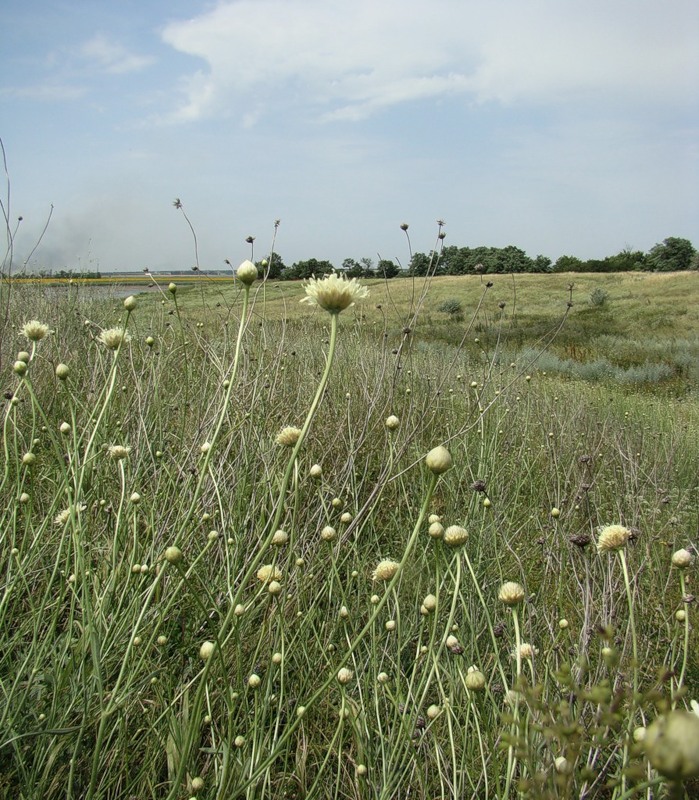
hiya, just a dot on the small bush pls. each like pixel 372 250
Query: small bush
pixel 599 297
pixel 451 306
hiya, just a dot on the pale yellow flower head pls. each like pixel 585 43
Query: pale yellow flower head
pixel 682 558
pixel 511 593
pixel 269 573
pixel 613 537
pixel 118 451
pixel 385 570
pixel 288 436
pixel 34 330
pixel 113 338
pixel 455 536
pixel 334 293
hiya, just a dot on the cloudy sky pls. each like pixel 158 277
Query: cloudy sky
pixel 559 126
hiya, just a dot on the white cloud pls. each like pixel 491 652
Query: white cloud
pixel 112 57
pixel 344 60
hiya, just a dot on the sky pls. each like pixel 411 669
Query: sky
pixel 558 126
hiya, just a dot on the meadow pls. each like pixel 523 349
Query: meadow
pixel 258 548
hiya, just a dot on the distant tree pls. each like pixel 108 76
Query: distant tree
pixel 627 260
pixel 567 264
pixel 307 269
pixel 419 264
pixel 513 259
pixel 671 254
pixel 387 269
pixel 543 264
pixel 352 268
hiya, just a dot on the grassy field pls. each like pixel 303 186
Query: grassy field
pixel 230 569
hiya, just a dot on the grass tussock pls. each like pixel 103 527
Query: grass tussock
pixel 252 549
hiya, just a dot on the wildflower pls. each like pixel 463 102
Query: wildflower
pixel 328 533
pixel 390 625
pixel 527 650
pixel 613 537
pixel 118 452
pixel 206 650
pixel 436 530
pixel 455 536
pixel 34 330
pixel 113 338
pixel 385 570
pixel 280 538
pixel 63 516
pixel 672 745
pixel 429 603
pixel 173 555
pixel 475 680
pixel 392 422
pixel 511 594
pixel 28 459
pixel 268 573
pixel 334 293
pixel 247 273
pixel 682 558
pixel 439 460
pixel 344 675
pixel 288 436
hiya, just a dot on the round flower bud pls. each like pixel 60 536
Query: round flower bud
pixel 361 770
pixel 23 355
pixel 130 303
pixel 430 603
pixel 390 625
pixel 511 594
pixel 206 650
pixel 346 518
pixel 392 422
pixel 205 447
pixel 680 615
pixel 328 533
pixel 316 471
pixel 439 460
pixel 254 681
pixel 433 712
pixel 150 341
pixel 135 498
pixel 344 675
pixel 64 428
pixel 475 680
pixel 24 498
pixel 436 530
pixel 611 538
pixel 383 677
pixel 28 459
pixel 562 765
pixel 455 536
pixel 247 273
pixel 197 784
pixel 682 558
pixel 672 745
pixel 239 741
pixel 555 513
pixel 280 538
pixel 161 640
pixel 385 570
pixel 639 734
pixel 62 371
pixel 277 659
pixel 173 555
pixel 527 650
pixel 20 368
pixel 172 288
pixel 434 518
pixel 274 588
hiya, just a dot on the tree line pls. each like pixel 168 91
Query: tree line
pixel 670 255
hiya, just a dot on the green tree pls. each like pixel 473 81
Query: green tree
pixel 542 264
pixel 274 267
pixel 308 269
pixel 568 264
pixel 387 269
pixel 671 254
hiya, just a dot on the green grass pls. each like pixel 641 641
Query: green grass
pixel 104 693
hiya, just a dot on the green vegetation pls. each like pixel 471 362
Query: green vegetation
pixel 234 566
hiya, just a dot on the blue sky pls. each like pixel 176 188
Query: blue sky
pixel 559 126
